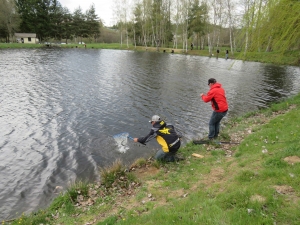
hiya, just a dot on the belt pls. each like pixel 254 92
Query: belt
pixel 171 145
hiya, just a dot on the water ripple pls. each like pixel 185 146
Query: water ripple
pixel 61 107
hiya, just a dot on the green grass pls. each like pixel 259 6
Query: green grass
pixel 95 46
pixel 285 58
pixel 19 45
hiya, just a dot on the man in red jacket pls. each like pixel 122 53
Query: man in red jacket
pixel 215 95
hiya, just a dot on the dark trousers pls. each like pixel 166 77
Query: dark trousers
pixel 165 156
pixel 214 124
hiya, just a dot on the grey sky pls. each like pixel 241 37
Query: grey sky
pixel 103 8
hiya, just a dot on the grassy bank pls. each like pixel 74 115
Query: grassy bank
pixel 287 58
pixel 254 182
pixel 19 45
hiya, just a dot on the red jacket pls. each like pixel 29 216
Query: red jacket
pixel 216 96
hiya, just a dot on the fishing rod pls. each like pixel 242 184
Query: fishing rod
pixel 200 142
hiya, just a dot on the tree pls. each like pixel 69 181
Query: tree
pixel 218 19
pixel 67 28
pixel 276 26
pixel 198 19
pixel 79 27
pixel 36 16
pixel 26 11
pixel 9 18
pixel 57 20
pixel 229 7
pixel 137 24
pixel 182 21
pixel 177 24
pixel 156 19
pixel 92 23
pixel 118 18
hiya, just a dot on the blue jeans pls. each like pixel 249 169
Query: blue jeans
pixel 165 156
pixel 214 124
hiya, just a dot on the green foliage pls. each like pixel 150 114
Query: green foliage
pixel 59 201
pixel 140 162
pixel 69 208
pixel 79 188
pixel 109 175
pixel 225 136
pixel 39 217
pixel 198 18
pixel 48 19
pixel 217 153
pixel 246 176
pixel 156 164
pixel 267 26
pixel 36 16
pixel 275 26
pixel 109 221
pixel 116 175
pixel 292 149
pixel 9 19
pixel 19 45
pixel 275 163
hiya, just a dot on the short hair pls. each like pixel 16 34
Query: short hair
pixel 212 81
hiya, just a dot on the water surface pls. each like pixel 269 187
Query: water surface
pixel 61 107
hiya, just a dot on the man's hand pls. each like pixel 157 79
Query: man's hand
pixel 201 94
pixel 135 139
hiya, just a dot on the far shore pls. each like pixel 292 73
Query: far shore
pixel 291 58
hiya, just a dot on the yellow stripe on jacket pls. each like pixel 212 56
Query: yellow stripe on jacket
pixel 163 143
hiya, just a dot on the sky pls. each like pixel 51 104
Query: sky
pixel 103 8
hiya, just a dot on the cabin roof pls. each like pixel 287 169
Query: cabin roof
pixel 25 35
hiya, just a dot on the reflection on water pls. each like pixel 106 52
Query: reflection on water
pixel 61 107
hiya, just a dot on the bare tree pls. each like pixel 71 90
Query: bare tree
pixel 229 8
pixel 247 22
pixel 146 21
pixel 185 6
pixel 217 7
pixel 177 22
pixel 120 13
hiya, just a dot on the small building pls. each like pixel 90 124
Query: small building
pixel 26 38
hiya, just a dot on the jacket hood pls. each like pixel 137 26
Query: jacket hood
pixel 216 85
pixel 159 124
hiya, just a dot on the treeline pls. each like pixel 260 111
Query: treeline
pixel 48 19
pixel 244 25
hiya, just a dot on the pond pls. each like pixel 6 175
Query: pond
pixel 61 107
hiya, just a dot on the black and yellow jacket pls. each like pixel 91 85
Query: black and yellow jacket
pixel 165 135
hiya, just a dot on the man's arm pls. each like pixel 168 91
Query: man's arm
pixel 208 97
pixel 147 138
